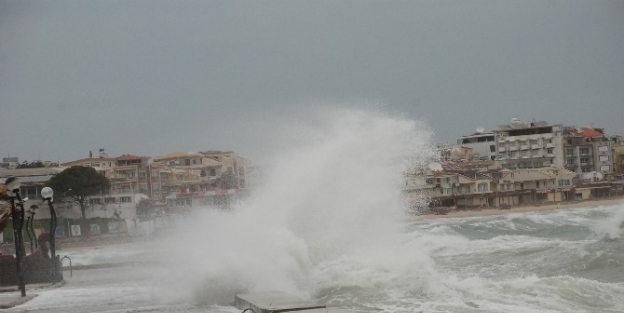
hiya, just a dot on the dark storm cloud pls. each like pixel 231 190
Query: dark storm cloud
pixel 149 77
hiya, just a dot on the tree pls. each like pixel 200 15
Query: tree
pixel 81 182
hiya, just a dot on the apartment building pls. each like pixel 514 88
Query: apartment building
pixel 589 152
pixel 522 145
pixel 490 188
pixel 195 178
pixel 618 159
pixel 127 174
pixel 483 144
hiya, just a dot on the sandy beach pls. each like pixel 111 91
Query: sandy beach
pixel 525 208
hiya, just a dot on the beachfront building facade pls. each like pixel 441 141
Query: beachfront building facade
pixel 196 178
pixel 590 153
pixel 466 189
pixel 522 145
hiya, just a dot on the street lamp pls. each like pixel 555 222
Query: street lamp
pixel 65 208
pixel 30 228
pixel 13 191
pixel 47 194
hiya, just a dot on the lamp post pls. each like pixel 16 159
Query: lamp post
pixel 47 194
pixel 17 213
pixel 65 208
pixel 30 229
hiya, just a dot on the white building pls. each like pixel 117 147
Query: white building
pixel 532 144
pixel 483 145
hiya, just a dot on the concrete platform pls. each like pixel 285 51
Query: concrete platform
pixel 11 296
pixel 277 302
pixel 11 299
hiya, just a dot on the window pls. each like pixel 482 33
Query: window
pixel 584 150
pixel 569 151
pixel 549 150
pixel 213 172
pixel 125 199
pixel 584 160
pixel 95 201
pixel 142 174
pixel 109 200
pixel 447 191
pixel 604 158
pixel 130 174
pixel 482 187
pixel 492 148
pixel 505 187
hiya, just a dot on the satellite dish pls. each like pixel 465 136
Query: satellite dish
pixel 480 130
pixel 435 166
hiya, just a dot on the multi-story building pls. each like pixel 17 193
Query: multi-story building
pixel 202 177
pixel 579 152
pixel 233 164
pixel 483 145
pixel 490 188
pixel 618 159
pixel 10 162
pixel 521 145
pixel 589 150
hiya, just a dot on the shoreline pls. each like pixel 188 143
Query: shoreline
pixel 522 208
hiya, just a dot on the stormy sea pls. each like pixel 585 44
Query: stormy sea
pixel 330 224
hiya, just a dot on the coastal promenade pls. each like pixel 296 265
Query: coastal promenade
pixel 10 296
pixel 525 208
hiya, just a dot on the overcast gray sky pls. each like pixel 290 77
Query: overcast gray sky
pixel 149 77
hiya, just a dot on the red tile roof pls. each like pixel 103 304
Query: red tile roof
pixel 590 132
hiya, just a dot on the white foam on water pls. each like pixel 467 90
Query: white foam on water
pixel 611 227
pixel 330 212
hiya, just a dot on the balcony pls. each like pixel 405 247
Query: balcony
pixel 524 147
pixel 535 146
pixel 550 145
pixel 513 148
pixel 502 149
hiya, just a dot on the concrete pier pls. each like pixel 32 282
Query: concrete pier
pixel 277 302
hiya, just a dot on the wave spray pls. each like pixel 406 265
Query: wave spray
pixel 326 217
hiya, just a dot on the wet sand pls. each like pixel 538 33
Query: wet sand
pixel 524 208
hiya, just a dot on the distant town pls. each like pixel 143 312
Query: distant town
pixel 519 163
pixel 522 163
